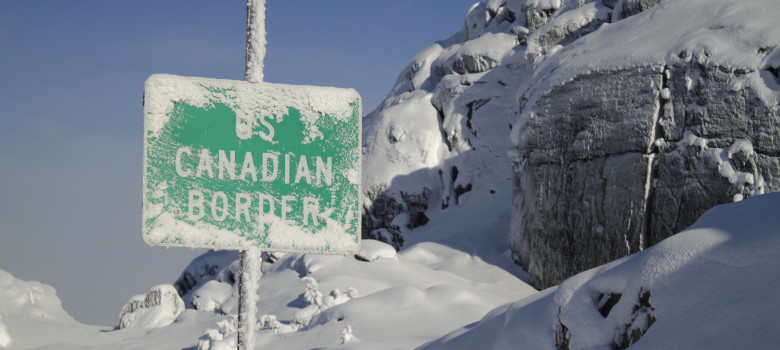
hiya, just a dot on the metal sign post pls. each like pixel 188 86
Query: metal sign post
pixel 249 260
pixel 251 166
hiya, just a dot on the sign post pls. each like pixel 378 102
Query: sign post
pixel 251 166
pixel 249 259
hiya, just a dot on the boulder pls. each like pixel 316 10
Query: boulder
pixel 157 308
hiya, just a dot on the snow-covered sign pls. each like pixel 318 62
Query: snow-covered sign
pixel 233 165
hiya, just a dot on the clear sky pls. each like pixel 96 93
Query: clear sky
pixel 71 84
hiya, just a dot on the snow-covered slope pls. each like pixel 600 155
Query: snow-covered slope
pixel 712 286
pixel 377 299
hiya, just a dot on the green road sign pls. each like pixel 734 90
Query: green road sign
pixel 233 165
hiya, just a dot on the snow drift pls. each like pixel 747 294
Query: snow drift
pixel 708 287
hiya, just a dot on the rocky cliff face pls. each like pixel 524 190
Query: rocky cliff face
pixel 629 119
pixel 628 145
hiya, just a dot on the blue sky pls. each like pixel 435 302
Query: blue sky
pixel 71 84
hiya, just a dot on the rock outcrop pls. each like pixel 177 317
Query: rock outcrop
pixel 629 119
pixel 442 134
pixel 618 150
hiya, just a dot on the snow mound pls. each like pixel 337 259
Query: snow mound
pixel 211 295
pixel 395 301
pixel 398 300
pixel 29 309
pixel 710 286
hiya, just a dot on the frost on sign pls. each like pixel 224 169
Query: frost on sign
pixel 232 165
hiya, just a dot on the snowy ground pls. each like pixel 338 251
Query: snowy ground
pixel 393 300
pixel 307 301
pixel 710 286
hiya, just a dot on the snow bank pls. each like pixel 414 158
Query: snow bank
pixel 30 309
pixel 378 300
pixel 710 286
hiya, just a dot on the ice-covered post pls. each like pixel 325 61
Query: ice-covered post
pixel 255 40
pixel 249 260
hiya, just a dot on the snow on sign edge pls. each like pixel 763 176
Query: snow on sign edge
pixel 163 91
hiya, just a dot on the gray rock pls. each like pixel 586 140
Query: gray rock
pixel 534 18
pixel 378 219
pixel 474 64
pixel 562 30
pixel 208 266
pixel 633 7
pixel 612 162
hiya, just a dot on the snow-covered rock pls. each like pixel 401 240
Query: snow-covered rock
pixel 214 265
pixel 159 307
pixel 371 250
pixel 211 295
pixel 627 135
pixel 628 120
pixel 708 287
pixel 224 337
pixel 442 134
